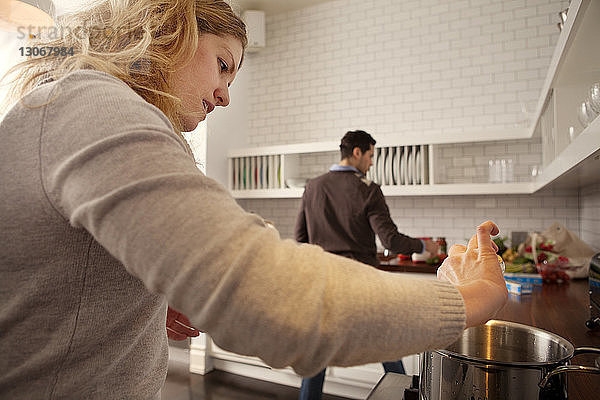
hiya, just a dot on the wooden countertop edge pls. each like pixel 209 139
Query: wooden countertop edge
pixel 409 267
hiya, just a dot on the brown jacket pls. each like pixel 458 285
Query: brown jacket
pixel 342 211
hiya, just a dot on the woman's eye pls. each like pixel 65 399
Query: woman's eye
pixel 223 65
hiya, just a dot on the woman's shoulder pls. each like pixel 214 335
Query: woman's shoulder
pixel 94 83
pixel 92 75
pixel 96 94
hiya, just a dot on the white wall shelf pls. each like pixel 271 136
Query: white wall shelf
pixel 459 189
pixel 407 190
pixel 287 193
pixel 578 164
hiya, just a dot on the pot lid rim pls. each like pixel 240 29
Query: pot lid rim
pixel 515 325
pixel 486 361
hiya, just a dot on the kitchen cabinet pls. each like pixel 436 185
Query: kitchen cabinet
pixel 353 382
pixel 570 152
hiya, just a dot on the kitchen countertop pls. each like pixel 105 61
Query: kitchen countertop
pixel 561 309
pixel 395 265
pixel 558 308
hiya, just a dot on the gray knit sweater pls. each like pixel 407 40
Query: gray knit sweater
pixel 105 218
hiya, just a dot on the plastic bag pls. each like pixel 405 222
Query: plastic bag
pixel 565 244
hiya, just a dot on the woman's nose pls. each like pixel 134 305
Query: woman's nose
pixel 222 96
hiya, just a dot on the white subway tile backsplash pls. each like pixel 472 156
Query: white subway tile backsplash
pixel 508 202
pixel 485 202
pixel 456 217
pixel 554 202
pixel 519 212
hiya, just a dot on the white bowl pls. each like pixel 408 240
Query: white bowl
pixel 418 257
pixel 296 182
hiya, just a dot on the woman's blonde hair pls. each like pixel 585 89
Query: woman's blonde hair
pixel 141 42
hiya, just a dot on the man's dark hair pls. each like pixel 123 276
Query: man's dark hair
pixel 352 139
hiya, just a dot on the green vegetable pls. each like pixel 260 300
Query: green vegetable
pixel 500 243
pixel 433 260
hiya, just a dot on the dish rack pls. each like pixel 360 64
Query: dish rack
pixel 400 165
pixel 278 168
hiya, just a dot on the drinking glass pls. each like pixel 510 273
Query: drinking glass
pixel 595 97
pixel 586 114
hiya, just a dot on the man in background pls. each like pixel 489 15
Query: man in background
pixel 341 211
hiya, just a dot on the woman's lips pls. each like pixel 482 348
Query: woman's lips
pixel 208 106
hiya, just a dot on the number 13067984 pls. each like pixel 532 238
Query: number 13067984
pixel 46 51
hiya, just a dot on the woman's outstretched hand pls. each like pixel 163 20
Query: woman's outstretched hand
pixel 179 326
pixel 475 271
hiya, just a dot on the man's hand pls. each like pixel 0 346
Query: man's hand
pixel 179 326
pixel 477 275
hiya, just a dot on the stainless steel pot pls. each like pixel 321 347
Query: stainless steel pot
pixel 501 360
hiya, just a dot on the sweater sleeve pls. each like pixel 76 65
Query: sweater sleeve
pixel 121 173
pixel 382 224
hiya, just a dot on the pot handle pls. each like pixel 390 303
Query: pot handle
pixel 573 368
pixel 568 368
pixel 583 350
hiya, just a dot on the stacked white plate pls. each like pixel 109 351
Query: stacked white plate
pixel 402 165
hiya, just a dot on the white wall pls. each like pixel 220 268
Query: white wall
pixel 227 127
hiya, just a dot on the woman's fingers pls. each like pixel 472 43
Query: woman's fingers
pixel 456 249
pixel 183 327
pixel 484 239
pixel 174 335
pixel 179 324
pixel 473 244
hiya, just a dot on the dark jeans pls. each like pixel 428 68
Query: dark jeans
pixel 312 388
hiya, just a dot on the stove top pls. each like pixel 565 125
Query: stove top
pixel 392 385
pixel 594 281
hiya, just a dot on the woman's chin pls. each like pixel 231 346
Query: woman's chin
pixel 191 123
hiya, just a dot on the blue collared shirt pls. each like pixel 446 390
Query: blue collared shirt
pixel 337 167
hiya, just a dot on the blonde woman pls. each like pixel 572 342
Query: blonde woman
pixel 106 219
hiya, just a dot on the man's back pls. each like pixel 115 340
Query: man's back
pixel 336 208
